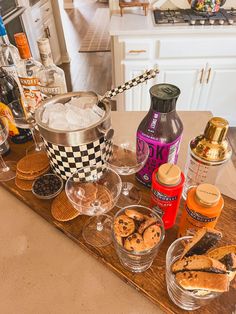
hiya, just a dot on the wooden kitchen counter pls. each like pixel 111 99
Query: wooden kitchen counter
pixel 42 271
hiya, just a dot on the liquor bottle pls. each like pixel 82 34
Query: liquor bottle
pixel 162 129
pixel 11 107
pixel 27 70
pixel 9 55
pixel 207 154
pixel 52 78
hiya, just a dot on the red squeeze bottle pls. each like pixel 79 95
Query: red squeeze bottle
pixel 167 186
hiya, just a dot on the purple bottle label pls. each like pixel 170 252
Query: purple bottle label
pixel 159 154
pixel 153 123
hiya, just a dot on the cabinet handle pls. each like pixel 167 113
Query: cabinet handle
pixel 48 9
pixel 137 51
pixel 208 76
pixel 36 20
pixel 47 32
pixel 201 77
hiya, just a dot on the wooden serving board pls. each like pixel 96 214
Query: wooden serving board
pixel 151 283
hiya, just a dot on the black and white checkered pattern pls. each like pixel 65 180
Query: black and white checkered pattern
pixel 66 160
pixel 135 81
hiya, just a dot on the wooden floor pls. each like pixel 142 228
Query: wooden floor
pixel 86 71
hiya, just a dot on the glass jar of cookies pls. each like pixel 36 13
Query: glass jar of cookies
pixel 137 235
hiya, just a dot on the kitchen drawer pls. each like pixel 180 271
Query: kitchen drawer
pixel 42 13
pixel 46 10
pixel 196 48
pixel 137 50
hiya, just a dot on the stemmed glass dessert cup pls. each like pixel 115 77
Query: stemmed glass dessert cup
pixel 185 299
pixel 25 120
pixel 8 168
pixel 128 157
pixel 93 191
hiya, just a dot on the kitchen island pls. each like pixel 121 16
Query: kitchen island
pixel 200 60
pixel 42 271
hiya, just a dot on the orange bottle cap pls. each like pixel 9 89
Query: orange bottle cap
pixel 207 195
pixel 169 174
pixel 22 45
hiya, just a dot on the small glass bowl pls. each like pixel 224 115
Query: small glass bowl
pixel 185 299
pixel 50 196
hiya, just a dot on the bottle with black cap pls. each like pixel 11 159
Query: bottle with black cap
pixel 162 129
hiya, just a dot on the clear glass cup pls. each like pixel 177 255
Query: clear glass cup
pixel 138 261
pixel 93 191
pixel 128 158
pixel 27 121
pixel 8 168
pixel 187 300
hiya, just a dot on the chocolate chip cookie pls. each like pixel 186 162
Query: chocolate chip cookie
pixel 134 242
pixel 147 222
pixel 134 214
pixel 152 236
pixel 124 226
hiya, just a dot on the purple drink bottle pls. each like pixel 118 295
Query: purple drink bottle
pixel 162 129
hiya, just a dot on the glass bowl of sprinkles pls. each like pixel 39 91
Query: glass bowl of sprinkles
pixel 47 186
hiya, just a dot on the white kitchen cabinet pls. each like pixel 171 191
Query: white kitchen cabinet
pixel 51 33
pixel 204 86
pixel 202 65
pixel 219 90
pixel 188 76
pixel 137 98
pixel 39 22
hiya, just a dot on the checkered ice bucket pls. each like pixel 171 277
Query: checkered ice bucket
pixel 69 151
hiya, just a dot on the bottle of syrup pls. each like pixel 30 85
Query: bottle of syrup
pixel 162 129
pixel 203 207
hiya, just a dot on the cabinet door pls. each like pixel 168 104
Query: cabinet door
pixel 219 93
pixel 51 33
pixel 137 98
pixel 38 33
pixel 188 76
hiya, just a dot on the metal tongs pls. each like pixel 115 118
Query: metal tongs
pixel 127 85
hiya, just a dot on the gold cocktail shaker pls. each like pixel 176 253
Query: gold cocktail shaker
pixel 207 154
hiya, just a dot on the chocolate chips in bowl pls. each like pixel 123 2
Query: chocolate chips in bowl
pixel 47 186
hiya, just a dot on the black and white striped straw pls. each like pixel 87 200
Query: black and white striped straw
pixel 134 82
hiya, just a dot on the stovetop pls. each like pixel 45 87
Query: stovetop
pixel 188 16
